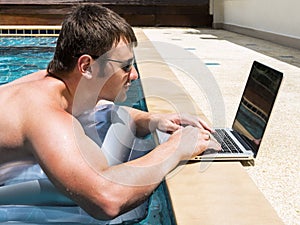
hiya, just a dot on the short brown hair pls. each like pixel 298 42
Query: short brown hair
pixel 89 29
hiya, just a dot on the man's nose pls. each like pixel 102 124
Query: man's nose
pixel 133 74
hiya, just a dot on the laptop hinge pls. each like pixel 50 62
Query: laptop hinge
pixel 246 143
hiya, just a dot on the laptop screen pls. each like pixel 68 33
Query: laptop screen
pixel 257 103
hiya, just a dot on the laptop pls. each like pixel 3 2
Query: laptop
pixel 242 140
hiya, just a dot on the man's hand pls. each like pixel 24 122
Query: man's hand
pixel 192 134
pixel 172 122
pixel 192 141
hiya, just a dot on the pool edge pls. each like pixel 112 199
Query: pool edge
pixel 29 31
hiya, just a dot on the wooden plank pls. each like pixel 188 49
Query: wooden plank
pixel 146 14
pixel 31 19
pixel 109 2
pixel 184 20
pixel 35 10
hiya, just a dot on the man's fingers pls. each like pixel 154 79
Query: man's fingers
pixel 172 127
pixel 205 125
pixel 195 121
pixel 213 144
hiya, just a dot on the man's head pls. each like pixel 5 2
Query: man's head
pixel 89 29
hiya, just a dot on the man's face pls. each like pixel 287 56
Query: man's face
pixel 119 72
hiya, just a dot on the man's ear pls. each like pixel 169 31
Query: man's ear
pixel 84 65
pixel 88 74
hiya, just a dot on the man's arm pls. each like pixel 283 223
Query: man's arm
pixel 77 167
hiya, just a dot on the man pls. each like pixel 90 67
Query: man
pixel 92 61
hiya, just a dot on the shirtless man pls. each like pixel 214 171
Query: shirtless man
pixel 92 61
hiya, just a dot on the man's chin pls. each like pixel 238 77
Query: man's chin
pixel 121 98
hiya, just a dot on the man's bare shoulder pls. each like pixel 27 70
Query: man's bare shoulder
pixel 30 99
pixel 23 88
pixel 36 87
pixel 30 77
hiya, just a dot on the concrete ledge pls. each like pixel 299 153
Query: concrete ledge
pixel 276 38
pixel 162 90
pixel 217 193
pixel 201 193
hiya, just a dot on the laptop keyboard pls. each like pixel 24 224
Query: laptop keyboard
pixel 227 144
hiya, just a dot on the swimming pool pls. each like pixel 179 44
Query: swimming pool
pixel 20 56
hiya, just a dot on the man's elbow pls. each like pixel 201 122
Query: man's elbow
pixel 112 210
pixel 107 209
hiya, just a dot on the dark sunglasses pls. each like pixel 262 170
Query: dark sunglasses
pixel 126 65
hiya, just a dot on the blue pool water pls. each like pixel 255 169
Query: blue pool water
pixel 20 56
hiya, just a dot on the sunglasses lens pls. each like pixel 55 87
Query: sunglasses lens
pixel 128 66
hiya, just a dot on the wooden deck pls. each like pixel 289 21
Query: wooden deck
pixel 193 13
